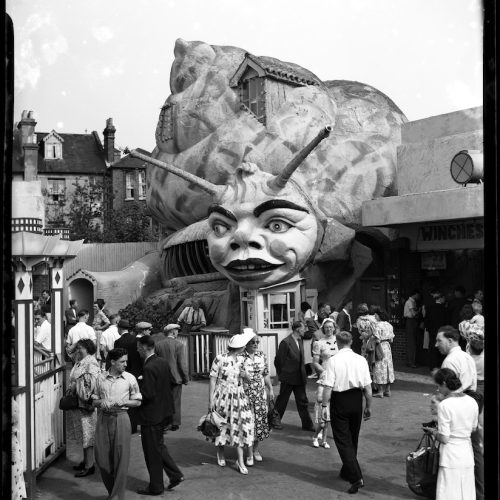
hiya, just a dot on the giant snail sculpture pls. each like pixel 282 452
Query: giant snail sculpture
pixel 263 228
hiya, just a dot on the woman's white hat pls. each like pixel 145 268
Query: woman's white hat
pixel 331 320
pixel 241 339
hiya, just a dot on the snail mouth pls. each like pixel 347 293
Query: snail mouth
pixel 250 268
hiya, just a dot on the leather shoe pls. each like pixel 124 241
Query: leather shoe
pixel 85 472
pixel 147 491
pixel 175 482
pixel 355 486
pixel 80 466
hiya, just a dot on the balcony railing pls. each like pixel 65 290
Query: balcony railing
pixel 51 231
pixel 28 224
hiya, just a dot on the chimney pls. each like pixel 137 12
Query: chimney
pixel 29 145
pixel 109 141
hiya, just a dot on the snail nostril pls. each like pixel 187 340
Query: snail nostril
pixel 234 246
pixel 254 244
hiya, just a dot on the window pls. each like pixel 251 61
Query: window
pixel 56 189
pixel 279 310
pixel 129 186
pixel 142 185
pixel 253 97
pixel 53 151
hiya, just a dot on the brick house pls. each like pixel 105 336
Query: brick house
pixel 128 180
pixel 58 161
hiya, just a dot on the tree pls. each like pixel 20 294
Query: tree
pixel 131 222
pixel 85 211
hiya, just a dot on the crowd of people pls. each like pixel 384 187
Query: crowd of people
pixel 126 373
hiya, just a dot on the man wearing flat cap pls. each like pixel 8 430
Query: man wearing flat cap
pixel 143 328
pixel 172 350
pixel 128 342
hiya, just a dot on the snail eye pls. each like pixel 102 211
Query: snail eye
pixel 278 226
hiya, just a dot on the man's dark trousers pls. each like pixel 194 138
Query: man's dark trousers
pixel 346 413
pixel 411 329
pixel 299 391
pixel 157 457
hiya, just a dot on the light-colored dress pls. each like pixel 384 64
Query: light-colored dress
pixel 383 370
pixel 82 421
pixel 231 402
pixel 255 389
pixel 457 418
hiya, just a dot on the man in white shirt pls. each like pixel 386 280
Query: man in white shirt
pixel 192 318
pixel 80 331
pixel 411 314
pixel 347 379
pixel 109 335
pixel 447 342
pixel 43 333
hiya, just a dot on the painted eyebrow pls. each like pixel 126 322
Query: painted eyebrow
pixel 273 204
pixel 221 210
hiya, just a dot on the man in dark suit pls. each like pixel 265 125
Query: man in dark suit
pixel 153 415
pixel 70 314
pixel 128 342
pixel 289 363
pixel 172 350
pixel 344 323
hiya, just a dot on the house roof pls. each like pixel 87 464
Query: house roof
pixel 279 70
pixel 129 162
pixel 82 154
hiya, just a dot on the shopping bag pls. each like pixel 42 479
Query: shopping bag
pixel 426 339
pixel 422 467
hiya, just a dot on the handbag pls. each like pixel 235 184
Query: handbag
pixel 68 402
pixel 422 467
pixel 208 427
pixel 273 417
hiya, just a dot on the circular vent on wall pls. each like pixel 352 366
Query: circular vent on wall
pixel 467 167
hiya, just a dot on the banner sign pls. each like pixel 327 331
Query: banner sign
pixel 450 235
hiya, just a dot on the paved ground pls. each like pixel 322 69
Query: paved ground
pixel 292 468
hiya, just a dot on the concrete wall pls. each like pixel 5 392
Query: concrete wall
pixel 428 146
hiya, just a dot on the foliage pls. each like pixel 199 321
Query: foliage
pixel 85 211
pixel 129 223
pixel 157 314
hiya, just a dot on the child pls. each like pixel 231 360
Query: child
pixel 321 425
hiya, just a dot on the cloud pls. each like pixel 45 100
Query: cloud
pixel 51 50
pixel 38 43
pixel 102 34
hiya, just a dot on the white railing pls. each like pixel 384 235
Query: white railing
pixel 202 347
pixel 49 432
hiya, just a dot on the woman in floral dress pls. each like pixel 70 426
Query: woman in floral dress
pixel 227 397
pixel 366 325
pixel 82 421
pixel 257 371
pixel 383 370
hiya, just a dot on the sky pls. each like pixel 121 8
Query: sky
pixel 79 62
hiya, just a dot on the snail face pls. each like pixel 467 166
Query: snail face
pixel 261 242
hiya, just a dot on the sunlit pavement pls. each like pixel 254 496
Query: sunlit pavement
pixel 292 468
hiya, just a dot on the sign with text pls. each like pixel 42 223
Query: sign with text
pixel 450 235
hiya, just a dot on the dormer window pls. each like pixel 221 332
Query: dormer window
pixel 252 95
pixel 53 146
